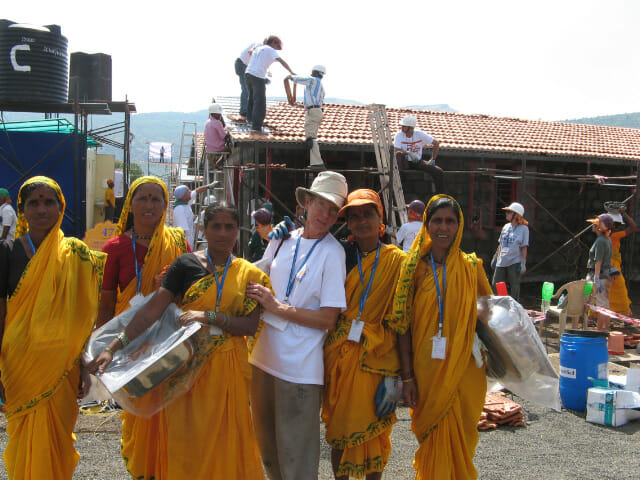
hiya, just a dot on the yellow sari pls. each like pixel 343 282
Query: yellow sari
pixel 450 392
pixel 353 371
pixel 140 451
pixel 618 294
pixel 49 318
pixel 209 429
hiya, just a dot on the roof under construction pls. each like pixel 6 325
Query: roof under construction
pixel 345 125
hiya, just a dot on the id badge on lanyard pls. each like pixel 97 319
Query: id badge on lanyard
pixel 439 343
pixel 357 325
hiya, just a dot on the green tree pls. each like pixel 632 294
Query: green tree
pixel 135 170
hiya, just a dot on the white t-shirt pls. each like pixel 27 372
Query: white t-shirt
pixel 261 59
pixel 183 217
pixel 407 233
pixel 413 143
pixel 245 56
pixel 9 219
pixel 296 353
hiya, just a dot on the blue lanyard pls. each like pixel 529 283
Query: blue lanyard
pixel 293 273
pixel 444 287
pixel 365 294
pixel 33 248
pixel 135 262
pixel 219 283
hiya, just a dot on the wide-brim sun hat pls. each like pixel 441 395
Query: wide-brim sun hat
pixel 515 207
pixel 362 196
pixel 329 185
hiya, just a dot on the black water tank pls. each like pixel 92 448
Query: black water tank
pixel 90 77
pixel 33 63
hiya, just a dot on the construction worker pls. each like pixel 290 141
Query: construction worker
pixel 109 202
pixel 8 217
pixel 182 214
pixel 256 78
pixel 511 254
pixel 215 132
pixel 241 67
pixel 408 145
pixel 618 295
pixel 313 99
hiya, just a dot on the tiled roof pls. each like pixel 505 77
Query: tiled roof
pixel 349 125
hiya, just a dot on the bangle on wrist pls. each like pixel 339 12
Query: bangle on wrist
pixel 211 317
pixel 108 349
pixel 124 339
pixel 408 379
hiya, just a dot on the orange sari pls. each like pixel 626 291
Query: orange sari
pixel 49 318
pixel 450 392
pixel 353 371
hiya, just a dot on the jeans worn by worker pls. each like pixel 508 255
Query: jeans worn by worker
pixel 244 92
pixel 437 174
pixel 511 276
pixel 257 102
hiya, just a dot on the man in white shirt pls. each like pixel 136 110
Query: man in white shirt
pixel 407 232
pixel 307 272
pixel 256 78
pixel 8 217
pixel 408 145
pixel 182 214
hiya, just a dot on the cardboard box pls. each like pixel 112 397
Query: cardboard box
pixel 608 406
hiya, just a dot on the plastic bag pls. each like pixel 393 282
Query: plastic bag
pixel 516 356
pixel 155 368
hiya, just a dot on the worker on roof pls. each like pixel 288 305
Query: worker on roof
pixel 313 99
pixel 256 78
pixel 241 66
pixel 215 133
pixel 408 145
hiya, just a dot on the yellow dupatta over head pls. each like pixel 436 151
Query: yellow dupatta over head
pixel 50 314
pixel 166 245
pixel 439 380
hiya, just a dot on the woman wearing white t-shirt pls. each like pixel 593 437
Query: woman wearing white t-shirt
pixel 307 272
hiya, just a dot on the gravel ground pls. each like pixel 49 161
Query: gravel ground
pixel 552 445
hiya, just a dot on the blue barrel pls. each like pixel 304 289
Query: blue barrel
pixel 583 357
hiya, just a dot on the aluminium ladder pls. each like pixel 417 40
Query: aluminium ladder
pixel 390 184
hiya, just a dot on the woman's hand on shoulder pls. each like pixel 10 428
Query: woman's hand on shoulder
pixel 263 295
pixel 192 316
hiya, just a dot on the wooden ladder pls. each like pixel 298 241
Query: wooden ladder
pixel 390 184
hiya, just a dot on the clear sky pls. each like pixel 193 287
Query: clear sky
pixel 545 59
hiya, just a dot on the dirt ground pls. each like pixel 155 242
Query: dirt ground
pixel 552 445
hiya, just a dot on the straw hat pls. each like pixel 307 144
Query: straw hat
pixel 331 186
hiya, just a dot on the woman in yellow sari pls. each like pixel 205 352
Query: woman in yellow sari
pixel 207 432
pixel 435 302
pixel 356 365
pixel 142 248
pixel 49 288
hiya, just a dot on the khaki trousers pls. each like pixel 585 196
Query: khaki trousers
pixel 312 119
pixel 286 419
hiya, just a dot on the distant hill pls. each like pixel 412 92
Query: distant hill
pixel 440 107
pixel 627 120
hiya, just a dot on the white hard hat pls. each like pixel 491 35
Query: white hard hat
pixel 320 68
pixel 409 121
pixel 516 207
pixel 215 108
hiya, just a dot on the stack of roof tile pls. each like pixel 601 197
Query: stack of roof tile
pixel 500 410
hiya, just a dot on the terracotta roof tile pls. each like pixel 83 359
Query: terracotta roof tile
pixel 349 124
